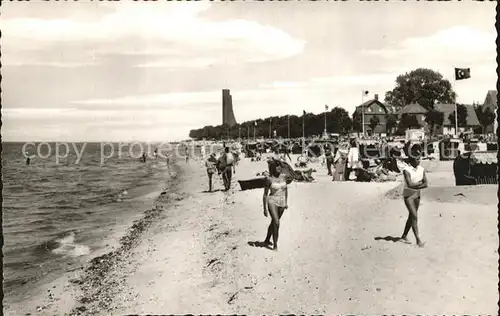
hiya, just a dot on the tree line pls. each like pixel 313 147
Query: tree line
pixel 337 121
pixel 423 86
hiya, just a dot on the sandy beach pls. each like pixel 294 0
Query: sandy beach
pixel 337 253
pixel 115 113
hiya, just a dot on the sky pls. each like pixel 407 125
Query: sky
pixel 152 71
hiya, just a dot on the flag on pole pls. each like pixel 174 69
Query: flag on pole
pixel 462 73
pixel 326 107
pixel 304 112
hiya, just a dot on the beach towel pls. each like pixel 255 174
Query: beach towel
pixel 256 183
pixel 295 175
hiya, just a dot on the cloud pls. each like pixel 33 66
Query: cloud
pixel 99 124
pixel 173 35
pixel 460 46
pixel 274 98
pixel 166 99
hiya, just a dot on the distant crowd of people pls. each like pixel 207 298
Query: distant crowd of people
pixel 343 163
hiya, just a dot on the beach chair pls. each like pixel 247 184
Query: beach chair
pixel 472 168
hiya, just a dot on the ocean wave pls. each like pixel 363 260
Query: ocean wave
pixel 7 207
pixel 65 245
pixel 82 201
pixel 35 227
pixel 59 207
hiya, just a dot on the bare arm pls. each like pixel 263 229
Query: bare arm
pixel 287 181
pixel 264 196
pixel 423 184
pixel 286 196
pixel 406 174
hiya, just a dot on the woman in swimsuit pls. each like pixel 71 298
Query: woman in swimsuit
pixel 414 180
pixel 275 201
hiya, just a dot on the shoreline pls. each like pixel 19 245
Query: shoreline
pixel 96 284
pixel 193 253
pixel 334 255
pixel 63 294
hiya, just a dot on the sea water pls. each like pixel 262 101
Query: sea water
pixel 57 213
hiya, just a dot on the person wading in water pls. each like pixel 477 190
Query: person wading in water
pixel 275 201
pixel 414 180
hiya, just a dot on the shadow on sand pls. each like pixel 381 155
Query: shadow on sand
pixel 259 244
pixel 206 191
pixel 389 238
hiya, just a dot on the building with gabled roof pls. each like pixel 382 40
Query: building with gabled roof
pixel 449 127
pixel 373 108
pixel 414 109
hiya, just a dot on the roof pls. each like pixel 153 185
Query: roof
pixel 447 109
pixel 491 99
pixel 369 103
pixel 413 108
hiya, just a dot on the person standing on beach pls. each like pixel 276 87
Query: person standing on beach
pixel 329 160
pixel 414 180
pixel 226 161
pixel 236 159
pixel 187 153
pixel 339 162
pixel 203 152
pixel 275 201
pixel 352 159
pixel 211 169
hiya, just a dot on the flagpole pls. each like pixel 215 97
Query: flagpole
pixel 456 109
pixel 254 127
pixel 288 122
pixel 363 111
pixel 303 133
pixel 325 118
pixel 459 74
pixel 270 122
pixel 303 122
pixel 248 133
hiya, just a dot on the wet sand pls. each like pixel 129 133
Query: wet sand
pixel 337 254
pixel 87 289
